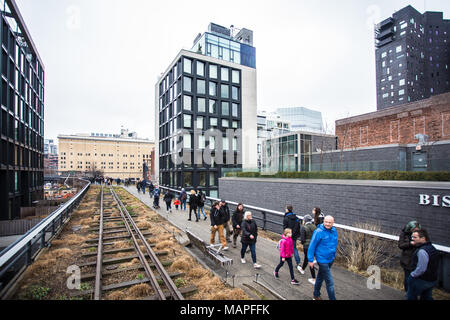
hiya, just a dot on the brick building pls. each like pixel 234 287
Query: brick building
pixel 411 137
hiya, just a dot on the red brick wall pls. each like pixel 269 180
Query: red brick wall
pixel 397 125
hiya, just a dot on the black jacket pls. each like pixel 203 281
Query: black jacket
pixel 226 213
pixel 431 274
pixel 249 227
pixel 168 197
pixel 237 218
pixel 201 203
pixel 193 201
pixel 216 217
pixel 292 222
pixel 404 243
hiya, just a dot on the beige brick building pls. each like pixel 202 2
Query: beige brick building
pixel 117 156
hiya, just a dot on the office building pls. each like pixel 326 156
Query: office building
pixel 302 119
pixel 412 57
pixel 50 157
pixel 21 115
pixel 205 111
pixel 111 155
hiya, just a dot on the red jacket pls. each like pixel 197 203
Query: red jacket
pixel 286 247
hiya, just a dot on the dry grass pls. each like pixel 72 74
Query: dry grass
pixel 165 244
pixel 139 291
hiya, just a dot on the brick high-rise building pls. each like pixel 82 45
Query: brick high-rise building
pixel 412 57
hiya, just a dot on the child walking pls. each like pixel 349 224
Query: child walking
pixel 286 254
pixel 177 202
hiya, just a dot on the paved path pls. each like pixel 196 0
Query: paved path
pixel 348 286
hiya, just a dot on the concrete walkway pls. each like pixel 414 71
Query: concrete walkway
pixel 348 286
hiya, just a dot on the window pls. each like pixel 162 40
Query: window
pixel 235 76
pixel 187 141
pixel 235 93
pixel 385 95
pixel 200 68
pixel 224 91
pixel 213 71
pixel 201 87
pixel 187 84
pixel 201 105
pixel 201 142
pixel 401 92
pixel 235 110
pixel 404 25
pixel 212 89
pixel 235 125
pixel 225 74
pixel 212 143
pixel 212 107
pixel 225 123
pixel 225 109
pixel 187 66
pixel 213 122
pixel 398 49
pixel 401 82
pixel 384 55
pixel 187 103
pixel 200 122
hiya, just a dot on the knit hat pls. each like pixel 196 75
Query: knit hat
pixel 412 225
pixel 307 218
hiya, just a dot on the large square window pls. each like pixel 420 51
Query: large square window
pixel 201 105
pixel 212 89
pixel 213 71
pixel 187 143
pixel 187 66
pixel 200 69
pixel 187 121
pixel 201 87
pixel 187 84
pixel 225 123
pixel 199 123
pixel 187 103
pixel 235 93
pixel 235 76
pixel 224 91
pixel 213 122
pixel 225 109
pixel 235 110
pixel 225 74
pixel 212 106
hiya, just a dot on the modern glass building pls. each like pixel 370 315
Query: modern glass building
pixel 205 110
pixel 21 116
pixel 302 118
pixel 412 57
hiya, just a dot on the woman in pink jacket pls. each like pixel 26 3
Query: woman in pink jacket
pixel 286 254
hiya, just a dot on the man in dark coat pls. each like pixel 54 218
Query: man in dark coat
pixel 404 243
pixel 292 222
pixel 217 219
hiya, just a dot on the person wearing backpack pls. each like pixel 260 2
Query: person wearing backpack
pixel 193 204
pixel 286 246
pixel 306 234
pixel 156 194
pixel 183 199
pixel 201 197
pixel 292 222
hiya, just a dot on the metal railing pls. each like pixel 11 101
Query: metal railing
pixel 19 255
pixel 267 223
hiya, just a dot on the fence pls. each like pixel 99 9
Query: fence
pixel 16 227
pixel 18 256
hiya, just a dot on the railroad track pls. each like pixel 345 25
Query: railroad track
pixel 114 212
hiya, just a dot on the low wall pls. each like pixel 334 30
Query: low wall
pixel 389 204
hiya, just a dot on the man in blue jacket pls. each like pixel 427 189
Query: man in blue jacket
pixel 323 246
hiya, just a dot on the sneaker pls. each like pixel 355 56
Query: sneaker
pixel 256 266
pixel 300 270
pixel 275 274
pixel 225 248
pixel 317 298
pixel 312 281
pixel 295 282
pixel 205 218
pixel 243 260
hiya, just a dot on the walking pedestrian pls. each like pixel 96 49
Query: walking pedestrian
pixel 138 186
pixel 318 216
pixel 249 238
pixel 408 249
pixel 151 188
pixel 292 222
pixel 177 203
pixel 216 218
pixel 306 233
pixel 193 203
pixel 425 264
pixel 183 199
pixel 201 198
pixel 323 247
pixel 156 194
pixel 168 200
pixel 286 246
pixel 226 215
pixel 236 221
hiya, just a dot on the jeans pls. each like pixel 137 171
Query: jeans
pixel 405 281
pixel 291 267
pixel 183 205
pixel 296 255
pixel 203 211
pixel 305 263
pixel 325 274
pixel 168 206
pixel 419 287
pixel 192 208
pixel 156 202
pixel 252 250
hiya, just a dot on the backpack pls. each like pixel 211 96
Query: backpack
pixel 183 196
pixel 203 199
pixel 279 244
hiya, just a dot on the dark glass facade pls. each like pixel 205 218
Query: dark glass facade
pixel 194 97
pixel 21 116
pixel 412 57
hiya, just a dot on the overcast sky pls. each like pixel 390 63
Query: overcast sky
pixel 102 58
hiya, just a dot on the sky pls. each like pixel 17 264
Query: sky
pixel 102 58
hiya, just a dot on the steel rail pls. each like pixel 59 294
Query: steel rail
pixel 153 282
pixel 173 289
pixel 439 247
pixel 98 273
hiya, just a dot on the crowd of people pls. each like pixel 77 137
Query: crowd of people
pixel 316 233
